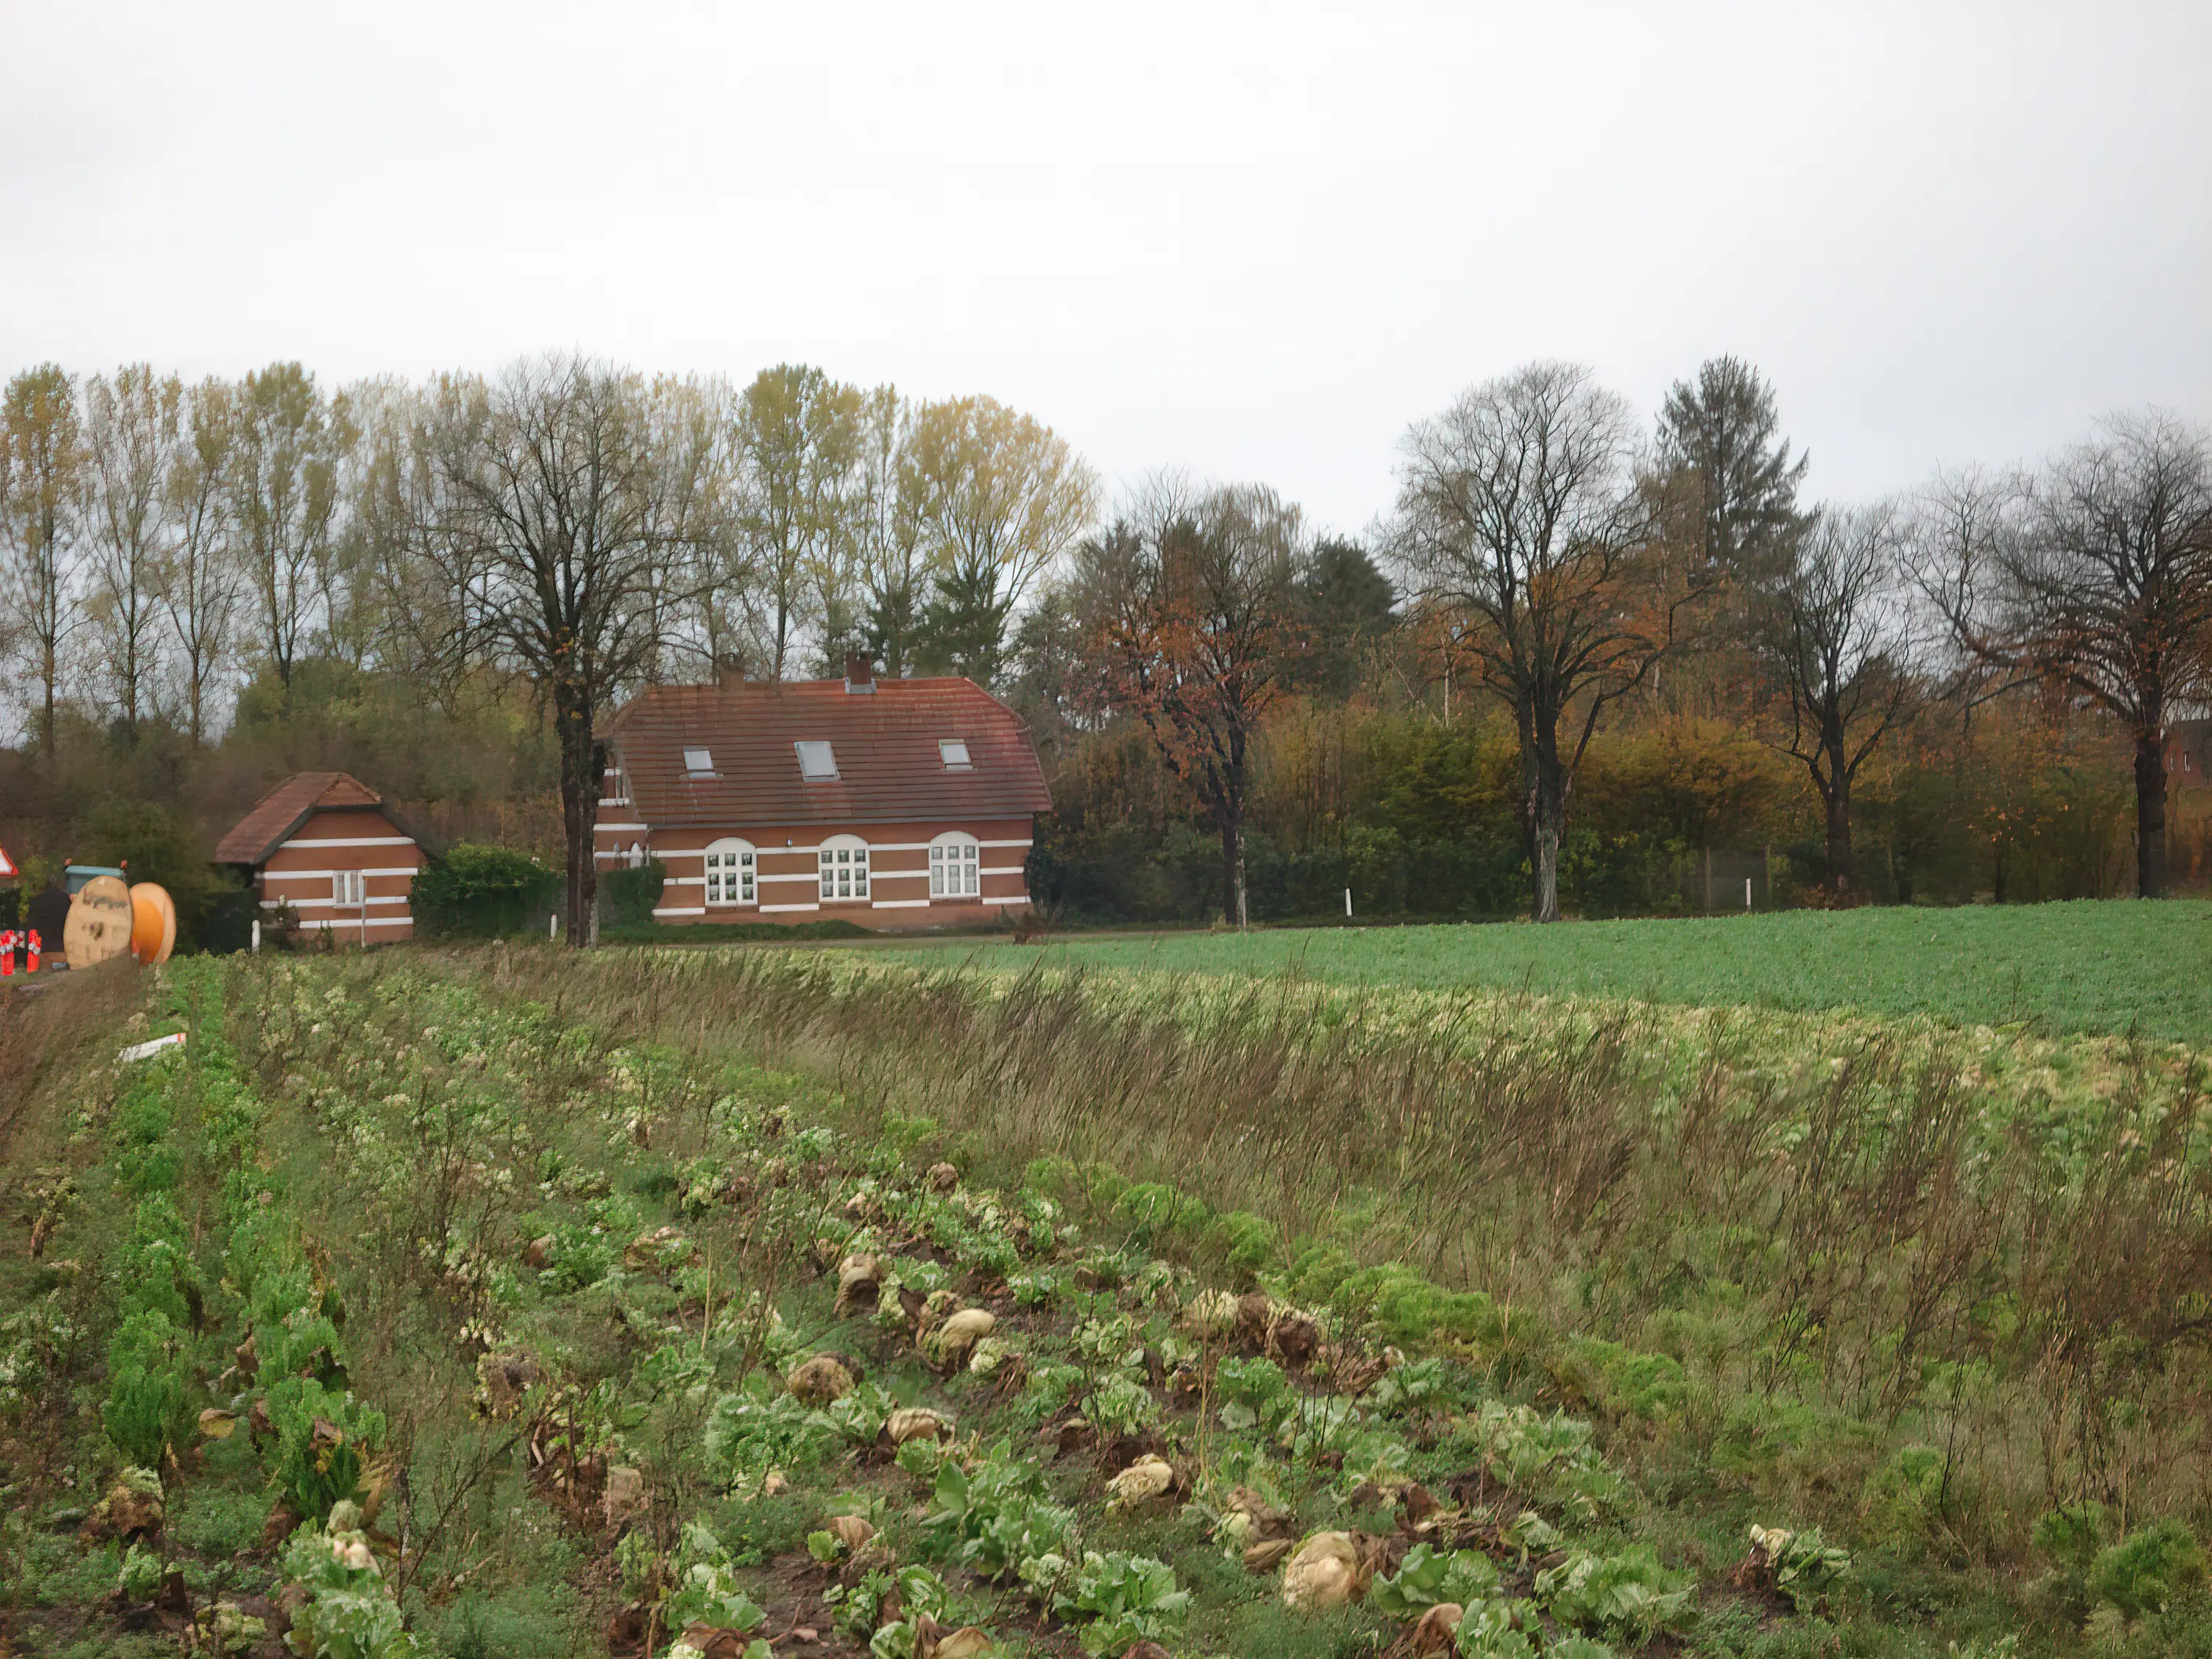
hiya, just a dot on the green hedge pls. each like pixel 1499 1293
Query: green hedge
pixel 483 892
pixel 627 897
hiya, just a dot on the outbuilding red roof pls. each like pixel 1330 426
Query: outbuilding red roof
pixel 886 745
pixel 285 808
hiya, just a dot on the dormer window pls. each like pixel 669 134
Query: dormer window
pixel 955 751
pixel 698 763
pixel 817 764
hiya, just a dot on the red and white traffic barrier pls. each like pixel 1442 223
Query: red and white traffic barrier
pixel 32 967
pixel 7 953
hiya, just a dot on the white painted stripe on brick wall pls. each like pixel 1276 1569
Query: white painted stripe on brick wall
pixel 614 828
pixel 694 910
pixel 326 903
pixel 325 875
pixel 900 904
pixel 1003 869
pixel 352 840
pixel 344 922
pixel 790 907
pixel 766 847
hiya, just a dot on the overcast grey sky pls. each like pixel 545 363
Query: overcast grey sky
pixel 1255 242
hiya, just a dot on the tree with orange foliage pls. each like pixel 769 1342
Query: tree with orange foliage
pixel 1188 598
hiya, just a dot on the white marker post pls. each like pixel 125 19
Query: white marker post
pixel 1347 903
pixel 553 929
pixel 1747 893
pixel 256 936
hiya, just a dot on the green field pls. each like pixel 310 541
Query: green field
pixel 2111 966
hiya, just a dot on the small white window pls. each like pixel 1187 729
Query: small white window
pixel 730 872
pixel 699 763
pixel 347 887
pixel 956 863
pixel 815 763
pixel 955 750
pixel 844 868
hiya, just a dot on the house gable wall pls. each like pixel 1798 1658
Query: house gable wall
pixel 301 872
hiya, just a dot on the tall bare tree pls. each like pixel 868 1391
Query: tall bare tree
pixel 132 427
pixel 1829 632
pixel 39 525
pixel 2096 578
pixel 284 502
pixel 570 507
pixel 1187 600
pixel 1517 510
pixel 708 576
pixel 797 439
pixel 997 496
pixel 426 554
pixel 200 579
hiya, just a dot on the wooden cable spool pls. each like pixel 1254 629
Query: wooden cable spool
pixel 100 920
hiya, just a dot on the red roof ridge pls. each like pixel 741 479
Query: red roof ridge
pixel 286 806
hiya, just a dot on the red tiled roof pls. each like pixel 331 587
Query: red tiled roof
pixel 885 743
pixel 285 808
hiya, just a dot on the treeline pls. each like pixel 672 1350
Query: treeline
pixel 1620 651
pixel 1583 656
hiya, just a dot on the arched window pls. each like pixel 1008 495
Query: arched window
pixel 844 869
pixel 730 867
pixel 955 860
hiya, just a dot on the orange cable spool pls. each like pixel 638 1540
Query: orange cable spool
pixel 153 923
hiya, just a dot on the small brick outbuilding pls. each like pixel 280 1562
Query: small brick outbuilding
pixel 325 843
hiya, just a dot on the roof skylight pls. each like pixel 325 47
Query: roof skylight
pixel 817 764
pixel 955 751
pixel 699 763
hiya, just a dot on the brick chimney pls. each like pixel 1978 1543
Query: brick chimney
pixel 860 674
pixel 730 677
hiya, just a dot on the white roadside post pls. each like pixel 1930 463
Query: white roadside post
pixel 1747 893
pixel 256 936
pixel 1347 902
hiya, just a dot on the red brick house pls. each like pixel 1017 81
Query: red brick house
pixel 894 804
pixel 326 843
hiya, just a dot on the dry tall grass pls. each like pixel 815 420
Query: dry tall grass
pixel 1878 1257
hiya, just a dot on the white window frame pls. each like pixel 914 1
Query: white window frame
pixel 956 755
pixel 843 866
pixel 826 752
pixel 698 763
pixel 956 863
pixel 348 887
pixel 733 867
